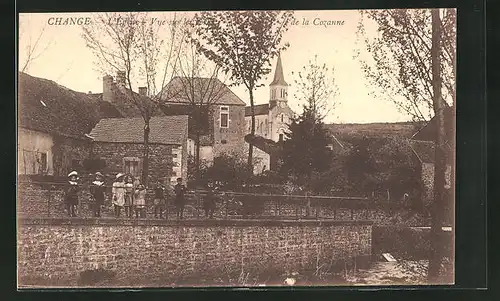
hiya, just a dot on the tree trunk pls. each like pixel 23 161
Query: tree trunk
pixel 145 157
pixel 436 240
pixel 197 156
pixel 252 133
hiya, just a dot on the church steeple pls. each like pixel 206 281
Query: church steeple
pixel 279 79
pixel 279 87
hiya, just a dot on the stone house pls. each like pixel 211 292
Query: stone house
pixel 271 121
pixel 422 144
pixel 52 125
pixel 222 119
pixel 119 141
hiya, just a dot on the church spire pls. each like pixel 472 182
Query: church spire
pixel 279 79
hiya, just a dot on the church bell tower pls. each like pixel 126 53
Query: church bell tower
pixel 278 88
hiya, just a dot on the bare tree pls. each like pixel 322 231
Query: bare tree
pixel 200 87
pixel 31 46
pixel 316 87
pixel 242 43
pixel 399 63
pixel 146 51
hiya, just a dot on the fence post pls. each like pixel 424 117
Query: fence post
pixel 48 200
pixel 334 213
pixel 227 205
pixel 297 205
pixel 317 209
pixel 352 217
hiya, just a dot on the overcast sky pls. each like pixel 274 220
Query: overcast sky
pixel 67 61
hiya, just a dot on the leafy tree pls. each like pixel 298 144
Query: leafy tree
pixel 316 86
pixel 399 62
pixel 423 41
pixel 144 51
pixel 242 43
pixel 305 149
pixel 360 167
pixel 229 169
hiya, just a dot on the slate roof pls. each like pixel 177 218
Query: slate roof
pixel 424 150
pixel 428 131
pixel 262 109
pixel 209 89
pixel 279 78
pixel 48 107
pixel 163 130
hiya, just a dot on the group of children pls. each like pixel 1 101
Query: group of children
pixel 127 194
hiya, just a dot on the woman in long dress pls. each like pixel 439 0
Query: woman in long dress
pixel 118 192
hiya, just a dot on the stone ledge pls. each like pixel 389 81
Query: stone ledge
pixel 187 222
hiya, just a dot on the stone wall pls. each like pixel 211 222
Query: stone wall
pixel 68 154
pixel 161 161
pixel 229 140
pixel 157 253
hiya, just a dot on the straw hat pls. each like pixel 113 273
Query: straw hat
pixel 98 174
pixel 73 173
pixel 119 175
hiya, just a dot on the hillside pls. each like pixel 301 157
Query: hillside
pixel 374 130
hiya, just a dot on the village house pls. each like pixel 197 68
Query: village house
pixel 271 122
pixel 222 119
pixel 422 144
pixel 52 125
pixel 119 141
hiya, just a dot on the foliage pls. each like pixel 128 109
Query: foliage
pixel 305 150
pixel 359 167
pixel 317 87
pixel 242 44
pixel 403 44
pixel 230 170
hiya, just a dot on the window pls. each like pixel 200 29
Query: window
pixel 224 117
pixel 131 165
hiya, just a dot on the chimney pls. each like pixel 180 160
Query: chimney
pixel 143 91
pixel 107 88
pixel 120 78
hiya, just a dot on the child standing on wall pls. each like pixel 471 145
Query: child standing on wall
pixel 180 200
pixel 210 200
pixel 97 189
pixel 159 199
pixel 71 193
pixel 140 201
pixel 118 192
pixel 129 195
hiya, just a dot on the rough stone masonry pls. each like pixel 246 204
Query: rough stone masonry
pixel 54 252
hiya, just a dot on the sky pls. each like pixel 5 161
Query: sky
pixel 65 59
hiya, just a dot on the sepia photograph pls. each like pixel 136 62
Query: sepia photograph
pixel 186 149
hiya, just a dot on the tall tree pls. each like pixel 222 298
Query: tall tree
pixel 146 52
pixel 414 66
pixel 200 85
pixel 396 57
pixel 316 86
pixel 439 155
pixel 305 149
pixel 243 44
